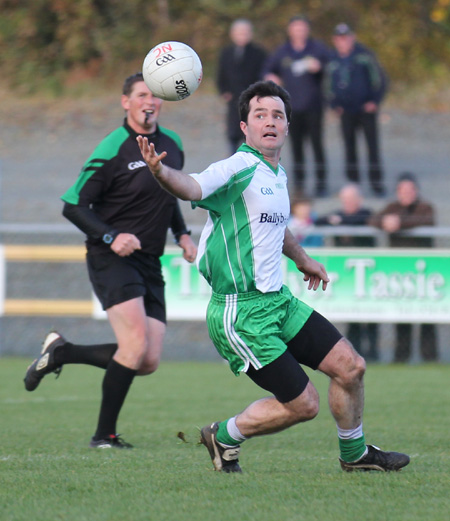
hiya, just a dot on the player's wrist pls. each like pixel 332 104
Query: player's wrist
pixel 157 170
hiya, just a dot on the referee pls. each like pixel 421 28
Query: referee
pixel 125 215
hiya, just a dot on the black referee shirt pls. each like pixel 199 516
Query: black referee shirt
pixel 117 185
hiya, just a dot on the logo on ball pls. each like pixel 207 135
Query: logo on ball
pixel 172 71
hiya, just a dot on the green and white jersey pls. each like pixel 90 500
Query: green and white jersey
pixel 241 244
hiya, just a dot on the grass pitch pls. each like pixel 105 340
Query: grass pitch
pixel 47 472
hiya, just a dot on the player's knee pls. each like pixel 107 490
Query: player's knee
pixel 306 406
pixel 311 410
pixel 353 368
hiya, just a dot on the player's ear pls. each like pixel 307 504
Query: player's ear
pixel 243 125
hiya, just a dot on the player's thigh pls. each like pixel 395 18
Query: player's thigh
pixel 311 345
pixel 283 377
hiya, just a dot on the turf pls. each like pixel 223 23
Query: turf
pixel 48 473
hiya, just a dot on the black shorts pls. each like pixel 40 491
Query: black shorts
pixel 284 377
pixel 117 279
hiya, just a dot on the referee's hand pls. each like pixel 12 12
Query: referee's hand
pixel 125 244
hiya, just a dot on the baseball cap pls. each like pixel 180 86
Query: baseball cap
pixel 342 30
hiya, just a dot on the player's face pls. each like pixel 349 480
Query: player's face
pixel 266 126
pixel 142 108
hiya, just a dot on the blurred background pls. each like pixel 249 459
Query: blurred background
pixel 62 67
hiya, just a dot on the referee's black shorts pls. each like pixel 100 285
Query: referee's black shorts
pixel 117 279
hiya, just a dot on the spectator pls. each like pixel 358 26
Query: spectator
pixel 353 213
pixel 408 211
pixel 301 222
pixel 240 65
pixel 355 86
pixel 298 65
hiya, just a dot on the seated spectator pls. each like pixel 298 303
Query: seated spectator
pixel 353 213
pixel 301 222
pixel 408 211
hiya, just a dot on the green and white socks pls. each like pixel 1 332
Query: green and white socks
pixel 228 433
pixel 352 444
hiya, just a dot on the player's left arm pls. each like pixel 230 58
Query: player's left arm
pixel 314 272
pixel 174 181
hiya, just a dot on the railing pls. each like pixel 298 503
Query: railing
pixel 326 231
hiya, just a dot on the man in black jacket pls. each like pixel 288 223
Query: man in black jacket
pixel 298 64
pixel 240 65
pixel 355 86
pixel 125 215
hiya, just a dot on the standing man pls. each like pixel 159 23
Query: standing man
pixel 253 319
pixel 406 212
pixel 355 86
pixel 240 65
pixel 298 65
pixel 125 215
pixel 353 213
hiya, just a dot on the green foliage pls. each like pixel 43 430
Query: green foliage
pixel 53 44
pixel 48 472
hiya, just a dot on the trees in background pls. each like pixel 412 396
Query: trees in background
pixel 50 44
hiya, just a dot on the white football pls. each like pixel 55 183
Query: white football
pixel 172 71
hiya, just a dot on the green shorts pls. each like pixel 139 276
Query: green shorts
pixel 254 328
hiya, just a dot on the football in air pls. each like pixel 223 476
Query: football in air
pixel 172 71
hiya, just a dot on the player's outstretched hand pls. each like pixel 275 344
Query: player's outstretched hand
pixel 151 157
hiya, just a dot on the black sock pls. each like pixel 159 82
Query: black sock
pixel 116 383
pixel 98 355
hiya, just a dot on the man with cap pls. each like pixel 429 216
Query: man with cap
pixel 355 86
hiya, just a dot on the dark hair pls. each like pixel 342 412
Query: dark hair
pixel 130 81
pixel 263 89
pixel 407 176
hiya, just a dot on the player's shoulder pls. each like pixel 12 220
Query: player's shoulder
pixel 245 157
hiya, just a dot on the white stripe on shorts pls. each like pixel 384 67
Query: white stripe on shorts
pixel 235 341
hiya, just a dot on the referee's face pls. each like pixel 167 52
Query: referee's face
pixel 142 108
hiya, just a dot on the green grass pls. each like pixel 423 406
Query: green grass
pixel 48 473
